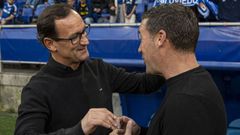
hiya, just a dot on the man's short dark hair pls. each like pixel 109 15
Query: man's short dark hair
pixel 179 23
pixel 46 21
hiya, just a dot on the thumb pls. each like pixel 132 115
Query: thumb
pixel 129 128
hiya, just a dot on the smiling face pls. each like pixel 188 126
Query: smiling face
pixel 64 51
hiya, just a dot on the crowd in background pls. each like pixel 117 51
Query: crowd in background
pixel 117 11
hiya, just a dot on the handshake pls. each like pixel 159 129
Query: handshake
pixel 126 126
pixel 120 125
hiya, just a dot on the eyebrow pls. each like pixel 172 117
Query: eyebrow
pixel 78 32
pixel 73 35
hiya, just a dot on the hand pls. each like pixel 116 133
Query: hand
pixel 97 10
pixel 112 8
pixel 129 16
pixel 128 127
pixel 3 22
pixel 117 132
pixel 98 117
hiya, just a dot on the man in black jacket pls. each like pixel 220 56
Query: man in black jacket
pixel 72 94
pixel 193 104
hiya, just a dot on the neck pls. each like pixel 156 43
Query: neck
pixel 68 63
pixel 177 64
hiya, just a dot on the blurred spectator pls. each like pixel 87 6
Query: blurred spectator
pixel 39 9
pixel 205 10
pixel 33 3
pixel 129 11
pixel 112 10
pixel 119 12
pixel 83 10
pixel 71 3
pixel 229 10
pixel 8 13
pixel 60 1
pixel 97 8
pixel 1 5
pixel 51 2
pixel 140 9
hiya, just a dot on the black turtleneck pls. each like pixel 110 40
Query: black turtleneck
pixel 57 97
pixel 192 106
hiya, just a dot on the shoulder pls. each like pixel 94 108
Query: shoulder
pixel 14 5
pixel 38 81
pixel 97 63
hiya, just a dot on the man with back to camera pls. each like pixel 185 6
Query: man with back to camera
pixel 72 94
pixel 8 12
pixel 192 104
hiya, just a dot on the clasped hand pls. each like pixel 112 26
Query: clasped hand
pixel 126 126
pixel 103 117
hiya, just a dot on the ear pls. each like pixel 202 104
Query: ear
pixel 160 38
pixel 49 44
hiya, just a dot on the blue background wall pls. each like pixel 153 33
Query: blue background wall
pixel 218 50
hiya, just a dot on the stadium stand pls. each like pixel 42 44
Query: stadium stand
pixel 27 15
pixel 234 127
pixel 218 51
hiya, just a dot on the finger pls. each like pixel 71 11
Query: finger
pixel 117 132
pixel 104 122
pixel 129 128
pixel 107 112
pixel 111 121
pixel 125 119
pixel 118 122
pixel 104 114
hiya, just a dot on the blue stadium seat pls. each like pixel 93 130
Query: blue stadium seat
pixel 20 5
pixel 133 105
pixel 150 5
pixel 139 11
pixel 27 12
pixel 27 15
pixel 235 124
pixel 234 128
pixel 39 9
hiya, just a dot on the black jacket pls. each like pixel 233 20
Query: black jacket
pixel 57 98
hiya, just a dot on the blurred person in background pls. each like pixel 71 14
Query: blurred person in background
pixel 97 9
pixel 71 3
pixel 112 6
pixel 129 11
pixel 8 13
pixel 119 13
pixel 205 10
pixel 229 10
pixel 84 11
pixel 1 5
pixel 33 3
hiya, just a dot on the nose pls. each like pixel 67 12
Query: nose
pixel 84 40
pixel 140 48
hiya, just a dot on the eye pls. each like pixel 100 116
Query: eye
pixel 75 37
pixel 139 35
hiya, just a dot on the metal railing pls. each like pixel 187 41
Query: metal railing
pixel 124 24
pixel 202 24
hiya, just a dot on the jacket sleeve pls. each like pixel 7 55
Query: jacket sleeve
pixel 33 113
pixel 122 81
